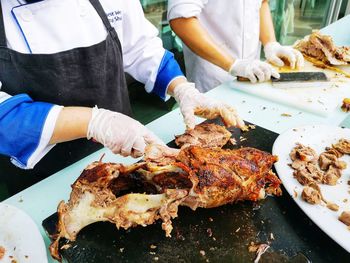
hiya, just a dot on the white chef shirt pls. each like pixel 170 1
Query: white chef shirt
pixel 38 28
pixel 233 24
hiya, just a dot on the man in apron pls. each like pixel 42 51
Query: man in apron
pixel 223 42
pixel 62 66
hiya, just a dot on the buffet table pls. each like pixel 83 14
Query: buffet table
pixel 41 200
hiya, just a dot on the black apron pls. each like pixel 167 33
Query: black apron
pixel 85 76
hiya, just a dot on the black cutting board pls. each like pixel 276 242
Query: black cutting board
pixel 213 235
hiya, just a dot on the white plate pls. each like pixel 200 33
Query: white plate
pixel 317 137
pixel 20 237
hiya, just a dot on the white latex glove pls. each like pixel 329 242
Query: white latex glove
pixel 274 52
pixel 120 133
pixel 192 103
pixel 253 70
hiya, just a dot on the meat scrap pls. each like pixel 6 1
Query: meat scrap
pixel 303 153
pixel 259 249
pixel 345 217
pixel 312 194
pixel 346 105
pixel 343 146
pixel 333 207
pixel 142 193
pixel 204 135
pixel 2 252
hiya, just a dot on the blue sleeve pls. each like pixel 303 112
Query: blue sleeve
pixel 168 70
pixel 21 125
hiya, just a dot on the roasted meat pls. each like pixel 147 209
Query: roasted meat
pixel 106 192
pixel 204 135
pixel 322 48
pixel 225 176
pixel 144 192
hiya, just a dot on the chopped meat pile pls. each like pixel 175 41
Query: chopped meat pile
pixel 204 135
pixel 310 168
pixel 2 252
pixel 345 217
pixel 322 48
pixel 142 193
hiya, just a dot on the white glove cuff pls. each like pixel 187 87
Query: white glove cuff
pixel 233 70
pixel 184 88
pixel 90 132
pixel 99 126
pixel 271 46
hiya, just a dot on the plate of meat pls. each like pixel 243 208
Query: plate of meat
pixel 20 239
pixel 314 167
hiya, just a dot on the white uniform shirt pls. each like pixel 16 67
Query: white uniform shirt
pixel 233 24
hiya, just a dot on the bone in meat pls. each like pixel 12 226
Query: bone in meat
pixel 144 192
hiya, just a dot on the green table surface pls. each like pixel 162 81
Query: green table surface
pixel 41 200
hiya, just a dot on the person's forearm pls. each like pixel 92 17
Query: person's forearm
pixel 200 42
pixel 72 123
pixel 267 31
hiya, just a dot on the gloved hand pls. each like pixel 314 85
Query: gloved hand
pixel 274 52
pixel 253 70
pixel 192 103
pixel 120 133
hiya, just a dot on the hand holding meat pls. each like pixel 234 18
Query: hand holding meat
pixel 118 132
pixel 192 103
pixel 274 52
pixel 254 70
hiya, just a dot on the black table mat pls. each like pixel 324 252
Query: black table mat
pixel 213 235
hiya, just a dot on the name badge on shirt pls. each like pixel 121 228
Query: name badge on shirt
pixel 115 17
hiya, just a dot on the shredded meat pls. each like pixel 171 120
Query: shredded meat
pixel 2 252
pixel 144 192
pixel 204 135
pixel 345 217
pixel 322 48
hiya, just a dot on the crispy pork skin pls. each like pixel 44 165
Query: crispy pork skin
pixel 225 176
pixel 204 135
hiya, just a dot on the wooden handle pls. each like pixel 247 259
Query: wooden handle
pixel 242 79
